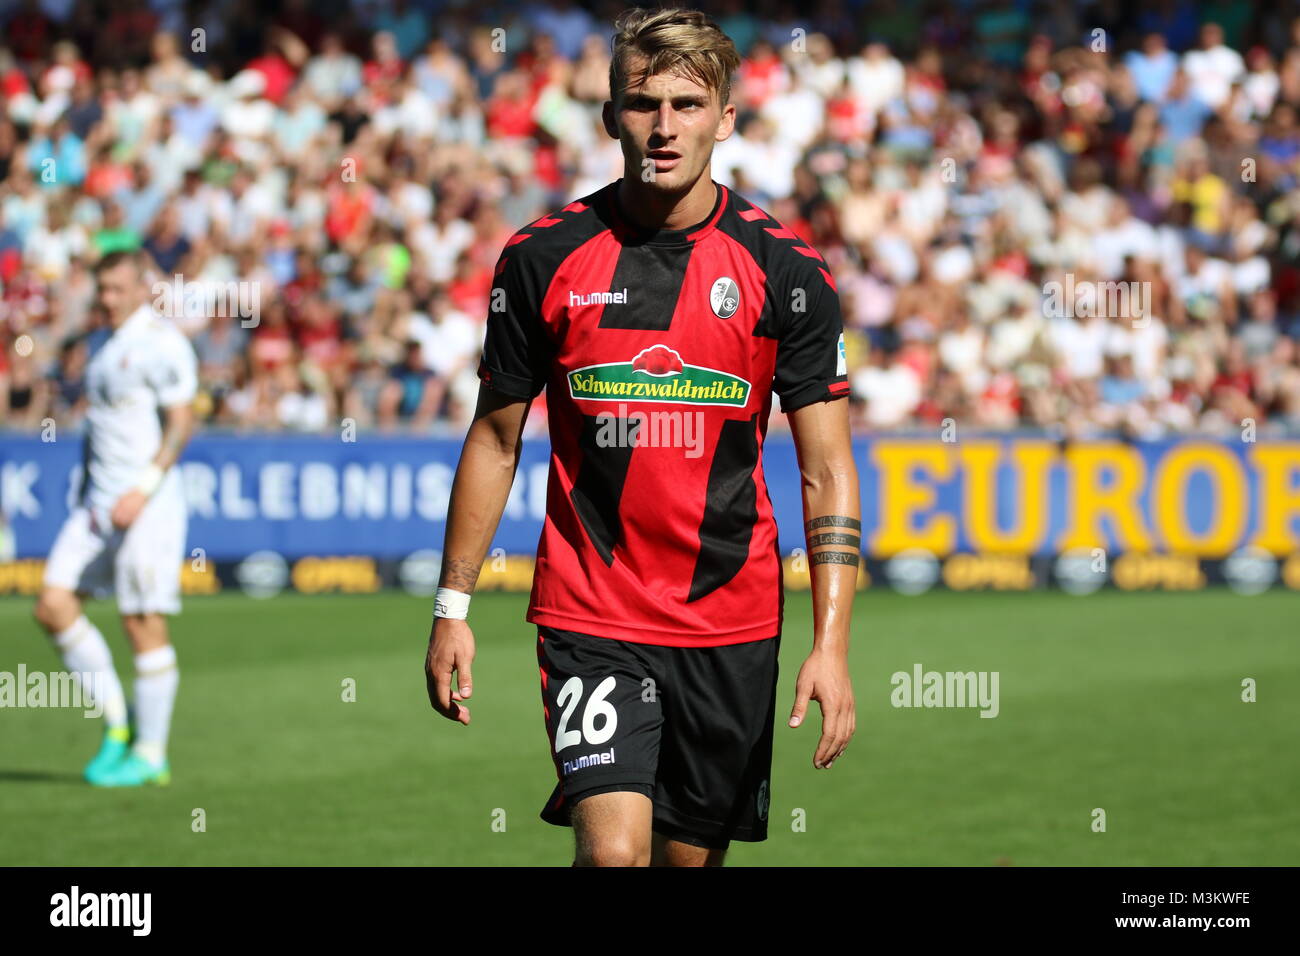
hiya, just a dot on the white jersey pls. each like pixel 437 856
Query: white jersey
pixel 145 366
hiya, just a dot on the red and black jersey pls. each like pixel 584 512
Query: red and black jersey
pixel 661 351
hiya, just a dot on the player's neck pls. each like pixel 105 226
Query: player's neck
pixel 653 209
pixel 115 322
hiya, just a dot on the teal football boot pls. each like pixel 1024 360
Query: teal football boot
pixel 112 749
pixel 135 771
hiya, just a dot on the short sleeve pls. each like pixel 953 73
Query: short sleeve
pixel 810 365
pixel 173 375
pixel 517 351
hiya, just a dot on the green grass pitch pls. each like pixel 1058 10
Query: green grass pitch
pixel 1126 702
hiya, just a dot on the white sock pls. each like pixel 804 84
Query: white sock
pixel 156 680
pixel 85 651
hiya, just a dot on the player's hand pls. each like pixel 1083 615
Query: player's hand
pixel 451 649
pixel 128 508
pixel 824 677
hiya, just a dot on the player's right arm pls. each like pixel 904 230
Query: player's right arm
pixel 517 356
pixel 178 426
pixel 478 498
pixel 173 378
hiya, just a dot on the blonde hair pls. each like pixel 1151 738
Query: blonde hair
pixel 673 40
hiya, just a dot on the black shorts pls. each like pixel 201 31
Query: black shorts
pixel 690 727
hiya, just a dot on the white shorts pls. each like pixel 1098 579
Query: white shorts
pixel 141 566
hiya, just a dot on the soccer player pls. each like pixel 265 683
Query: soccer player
pixel 661 311
pixel 127 532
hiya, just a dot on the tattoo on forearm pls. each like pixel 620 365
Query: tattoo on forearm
pixel 459 575
pixel 172 444
pixel 833 521
pixel 835 557
pixel 852 540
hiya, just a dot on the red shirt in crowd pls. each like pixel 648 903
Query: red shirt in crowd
pixel 277 72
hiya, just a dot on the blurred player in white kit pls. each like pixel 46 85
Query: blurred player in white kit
pixel 127 531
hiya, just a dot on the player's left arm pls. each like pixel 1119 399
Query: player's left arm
pixel 174 382
pixel 811 379
pixel 833 529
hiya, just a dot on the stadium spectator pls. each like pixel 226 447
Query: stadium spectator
pixel 413 391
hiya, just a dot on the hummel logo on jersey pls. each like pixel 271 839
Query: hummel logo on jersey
pixel 598 298
pixel 589 761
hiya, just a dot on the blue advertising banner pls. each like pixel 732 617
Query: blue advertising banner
pixel 386 497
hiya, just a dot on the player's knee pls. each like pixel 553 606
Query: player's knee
pixel 682 855
pixel 55 609
pixel 146 630
pixel 614 851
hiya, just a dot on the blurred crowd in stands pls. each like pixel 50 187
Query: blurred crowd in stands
pixel 1082 218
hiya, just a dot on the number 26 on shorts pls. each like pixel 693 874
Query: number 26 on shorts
pixel 597 709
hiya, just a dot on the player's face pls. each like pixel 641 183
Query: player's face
pixel 667 126
pixel 121 291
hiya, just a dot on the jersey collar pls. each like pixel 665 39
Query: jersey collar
pixel 136 320
pixel 630 232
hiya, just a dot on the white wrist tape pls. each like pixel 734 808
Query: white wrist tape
pixel 449 603
pixel 150 480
